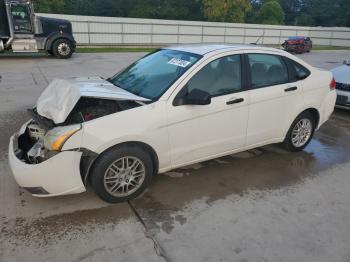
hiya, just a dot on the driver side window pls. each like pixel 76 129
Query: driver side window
pixel 21 19
pixel 220 77
pixel 20 12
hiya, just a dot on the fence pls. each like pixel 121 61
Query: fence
pixel 93 31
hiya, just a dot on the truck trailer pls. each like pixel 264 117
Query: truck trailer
pixel 24 32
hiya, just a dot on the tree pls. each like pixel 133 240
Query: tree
pixel 291 9
pixel 321 13
pixel 226 10
pixel 167 9
pixel 271 13
pixel 49 6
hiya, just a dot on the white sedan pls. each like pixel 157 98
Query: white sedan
pixel 342 78
pixel 174 107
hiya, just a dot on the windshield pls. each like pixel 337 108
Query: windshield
pixel 152 75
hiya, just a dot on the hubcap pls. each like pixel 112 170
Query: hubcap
pixel 124 176
pixel 63 49
pixel 301 132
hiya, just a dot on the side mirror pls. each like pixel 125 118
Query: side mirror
pixel 195 97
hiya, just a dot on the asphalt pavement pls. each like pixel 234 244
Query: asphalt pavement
pixel 264 204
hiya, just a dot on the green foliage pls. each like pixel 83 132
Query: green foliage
pixel 270 13
pixel 167 9
pixel 49 6
pixel 290 12
pixel 226 10
pixel 324 13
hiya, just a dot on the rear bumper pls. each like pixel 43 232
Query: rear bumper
pixel 327 107
pixel 343 99
pixel 59 175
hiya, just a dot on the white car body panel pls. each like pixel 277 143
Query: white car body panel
pixel 59 175
pixel 182 135
pixel 223 135
pixel 60 97
pixel 271 105
pixel 148 127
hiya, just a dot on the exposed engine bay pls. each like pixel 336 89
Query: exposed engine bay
pixel 35 144
pixel 89 108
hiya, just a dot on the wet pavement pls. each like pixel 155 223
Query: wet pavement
pixel 264 204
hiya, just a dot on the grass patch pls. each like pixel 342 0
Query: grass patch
pixel 113 49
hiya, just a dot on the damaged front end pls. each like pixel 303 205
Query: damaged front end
pixel 43 138
pixel 39 156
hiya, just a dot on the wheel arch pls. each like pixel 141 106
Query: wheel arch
pixel 144 146
pixel 314 112
pixel 56 36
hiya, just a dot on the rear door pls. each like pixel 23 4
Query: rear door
pixel 273 98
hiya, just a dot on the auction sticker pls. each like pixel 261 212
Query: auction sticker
pixel 179 62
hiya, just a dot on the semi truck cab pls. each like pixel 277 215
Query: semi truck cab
pixel 23 31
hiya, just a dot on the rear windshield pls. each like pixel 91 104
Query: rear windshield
pixel 152 75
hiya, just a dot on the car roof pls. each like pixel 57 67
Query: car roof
pixel 202 49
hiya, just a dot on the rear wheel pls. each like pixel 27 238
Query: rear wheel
pixel 300 133
pixel 122 173
pixel 62 48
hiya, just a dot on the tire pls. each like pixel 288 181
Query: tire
pixel 293 145
pixel 110 181
pixel 50 52
pixel 62 48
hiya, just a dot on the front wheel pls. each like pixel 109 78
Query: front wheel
pixel 122 173
pixel 300 133
pixel 62 48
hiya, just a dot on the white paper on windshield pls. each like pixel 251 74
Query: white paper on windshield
pixel 179 62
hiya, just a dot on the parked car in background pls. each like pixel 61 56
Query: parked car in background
pixel 342 78
pixel 174 107
pixel 297 44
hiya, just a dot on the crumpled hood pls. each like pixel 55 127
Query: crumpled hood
pixel 342 74
pixel 60 97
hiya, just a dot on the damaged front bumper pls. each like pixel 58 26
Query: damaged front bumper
pixel 58 175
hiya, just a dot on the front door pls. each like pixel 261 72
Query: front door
pixel 21 17
pixel 199 132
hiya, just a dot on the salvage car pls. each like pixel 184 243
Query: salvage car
pixel 297 44
pixel 174 107
pixel 342 78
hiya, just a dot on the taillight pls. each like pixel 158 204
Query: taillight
pixel 332 84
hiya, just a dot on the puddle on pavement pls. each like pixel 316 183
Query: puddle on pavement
pixel 265 168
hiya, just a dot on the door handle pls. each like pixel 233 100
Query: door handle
pixel 235 101
pixel 289 89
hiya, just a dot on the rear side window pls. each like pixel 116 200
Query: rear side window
pixel 267 70
pixel 299 72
